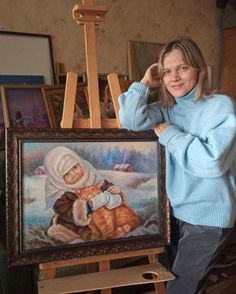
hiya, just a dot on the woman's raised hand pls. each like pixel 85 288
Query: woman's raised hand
pixel 151 77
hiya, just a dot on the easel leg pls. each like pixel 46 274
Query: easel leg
pixel 49 274
pixel 91 268
pixel 104 266
pixel 159 287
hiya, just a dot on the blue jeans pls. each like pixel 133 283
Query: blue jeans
pixel 196 254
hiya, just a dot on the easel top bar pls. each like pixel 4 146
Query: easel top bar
pixel 89 13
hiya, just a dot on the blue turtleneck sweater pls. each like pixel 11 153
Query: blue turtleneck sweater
pixel 200 152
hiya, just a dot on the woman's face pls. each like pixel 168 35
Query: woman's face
pixel 73 175
pixel 178 77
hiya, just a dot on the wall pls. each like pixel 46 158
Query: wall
pixel 150 20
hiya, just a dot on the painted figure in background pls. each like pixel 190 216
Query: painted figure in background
pixel 198 129
pixel 86 206
pixel 19 120
pixel 109 107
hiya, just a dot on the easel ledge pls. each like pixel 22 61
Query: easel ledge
pixel 106 279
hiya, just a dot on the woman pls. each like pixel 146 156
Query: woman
pixel 198 131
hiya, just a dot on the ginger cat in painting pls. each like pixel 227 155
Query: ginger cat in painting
pixel 109 223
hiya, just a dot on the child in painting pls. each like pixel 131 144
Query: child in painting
pixel 86 206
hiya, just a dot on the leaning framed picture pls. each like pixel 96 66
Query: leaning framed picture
pixel 24 107
pixel 140 56
pixel 74 193
pixel 54 99
pixel 26 54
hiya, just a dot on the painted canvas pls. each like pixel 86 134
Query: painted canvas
pixel 24 107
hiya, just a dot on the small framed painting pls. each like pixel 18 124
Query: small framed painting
pixel 24 107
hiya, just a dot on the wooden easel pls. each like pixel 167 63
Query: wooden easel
pixel 89 15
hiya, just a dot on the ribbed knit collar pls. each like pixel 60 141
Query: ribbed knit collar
pixel 189 97
pixel 187 102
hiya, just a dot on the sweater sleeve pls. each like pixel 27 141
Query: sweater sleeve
pixel 211 157
pixel 134 113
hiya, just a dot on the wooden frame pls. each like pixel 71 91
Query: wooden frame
pixel 140 56
pixel 27 54
pixel 28 220
pixel 2 127
pixel 24 107
pixel 54 98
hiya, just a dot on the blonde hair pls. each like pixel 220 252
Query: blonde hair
pixel 192 56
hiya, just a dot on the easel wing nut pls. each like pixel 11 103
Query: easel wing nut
pixel 84 14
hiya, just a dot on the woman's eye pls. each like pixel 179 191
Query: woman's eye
pixel 183 68
pixel 166 72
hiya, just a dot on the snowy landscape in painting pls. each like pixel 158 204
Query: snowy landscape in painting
pixel 139 184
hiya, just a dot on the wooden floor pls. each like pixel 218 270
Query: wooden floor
pixel 226 287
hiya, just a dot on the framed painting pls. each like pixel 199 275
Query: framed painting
pixel 140 56
pixel 54 98
pixel 74 193
pixel 27 54
pixel 24 107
